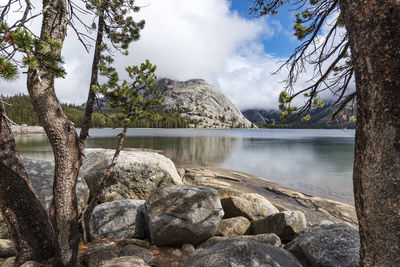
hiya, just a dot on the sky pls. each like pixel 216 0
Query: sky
pixel 214 40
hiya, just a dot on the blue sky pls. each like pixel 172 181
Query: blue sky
pixel 283 42
pixel 214 40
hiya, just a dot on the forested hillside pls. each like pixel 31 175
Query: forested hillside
pixel 319 118
pixel 20 110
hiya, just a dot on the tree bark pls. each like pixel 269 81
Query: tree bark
pixel 374 35
pixel 26 219
pixel 63 138
pixel 87 213
pixel 84 133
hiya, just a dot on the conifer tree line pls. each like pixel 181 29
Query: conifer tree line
pixel 20 110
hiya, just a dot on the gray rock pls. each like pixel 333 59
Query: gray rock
pixel 6 243
pixel 178 215
pixel 10 263
pixel 251 206
pixel 286 224
pixel 132 250
pixel 4 233
pixel 270 239
pixel 119 219
pixel 177 253
pixel 31 264
pixel 24 129
pixel 327 245
pixel 135 176
pixel 187 248
pixel 135 242
pixel 97 254
pixel 125 262
pixel 237 253
pixel 200 102
pixel 41 174
pixel 233 227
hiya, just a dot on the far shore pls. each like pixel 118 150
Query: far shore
pixel 26 130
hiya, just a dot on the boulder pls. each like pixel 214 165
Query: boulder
pixel 286 224
pixel 187 248
pixel 41 174
pixel 270 239
pixel 119 219
pixel 182 214
pixel 135 242
pixel 125 262
pixel 10 263
pixel 327 245
pixel 97 254
pixel 247 253
pixel 233 227
pixel 132 250
pixel 135 176
pixel 6 244
pixel 251 206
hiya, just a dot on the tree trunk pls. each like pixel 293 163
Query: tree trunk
pixel 374 34
pixel 87 213
pixel 93 81
pixel 63 138
pixel 27 221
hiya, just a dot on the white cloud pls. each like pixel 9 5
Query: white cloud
pixel 188 39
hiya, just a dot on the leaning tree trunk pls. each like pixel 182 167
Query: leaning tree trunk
pixel 63 138
pixel 374 34
pixel 27 221
pixel 94 80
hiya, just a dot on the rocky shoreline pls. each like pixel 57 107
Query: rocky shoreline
pixel 25 130
pixel 153 214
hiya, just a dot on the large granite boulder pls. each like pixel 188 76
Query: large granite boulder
pixel 127 261
pixel 41 174
pixel 251 206
pixel 10 263
pixel 270 239
pixel 247 253
pixel 136 251
pixel 96 255
pixel 233 227
pixel 135 176
pixel 286 224
pixel 327 245
pixel 183 214
pixel 119 219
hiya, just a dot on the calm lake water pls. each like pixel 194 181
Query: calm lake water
pixel 317 162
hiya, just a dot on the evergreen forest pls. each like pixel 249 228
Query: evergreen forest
pixel 20 110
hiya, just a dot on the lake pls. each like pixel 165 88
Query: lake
pixel 316 162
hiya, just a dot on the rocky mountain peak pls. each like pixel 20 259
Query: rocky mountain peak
pixel 204 105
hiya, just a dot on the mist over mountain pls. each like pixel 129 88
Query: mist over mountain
pixel 319 118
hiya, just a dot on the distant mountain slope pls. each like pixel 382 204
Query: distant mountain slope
pixel 201 103
pixel 319 118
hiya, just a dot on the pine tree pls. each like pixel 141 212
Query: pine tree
pixel 370 51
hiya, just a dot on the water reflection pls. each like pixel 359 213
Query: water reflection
pixel 183 151
pixel 318 166
pixel 318 162
pixel 34 146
